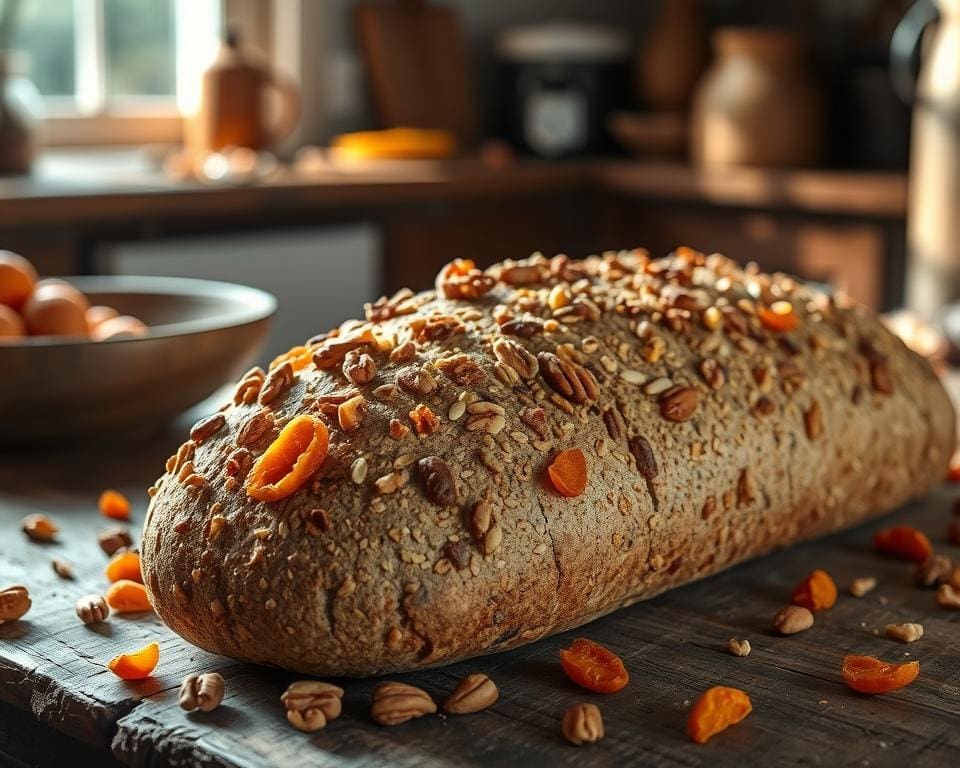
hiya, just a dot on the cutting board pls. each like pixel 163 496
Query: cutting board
pixel 416 61
pixel 54 685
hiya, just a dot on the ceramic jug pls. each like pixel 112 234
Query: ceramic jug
pixel 756 105
pixel 233 103
pixel 933 207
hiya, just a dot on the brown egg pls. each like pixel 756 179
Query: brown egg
pixel 17 278
pixel 11 324
pixel 56 310
pixel 122 327
pixel 99 314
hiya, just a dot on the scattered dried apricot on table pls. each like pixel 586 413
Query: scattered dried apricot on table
pixel 290 460
pixel 817 592
pixel 136 665
pixel 594 667
pixel 716 710
pixel 568 472
pixel 126 596
pixel 124 565
pixel 868 674
pixel 904 541
pixel 114 505
pixel 298 357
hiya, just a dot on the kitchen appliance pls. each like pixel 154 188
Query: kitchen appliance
pixel 559 82
pixel 933 208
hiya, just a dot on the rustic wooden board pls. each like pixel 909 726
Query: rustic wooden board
pixel 674 646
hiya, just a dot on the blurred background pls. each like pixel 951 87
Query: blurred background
pixel 250 141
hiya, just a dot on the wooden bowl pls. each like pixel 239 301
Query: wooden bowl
pixel 202 334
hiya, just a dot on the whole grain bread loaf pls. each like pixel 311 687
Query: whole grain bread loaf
pixel 721 412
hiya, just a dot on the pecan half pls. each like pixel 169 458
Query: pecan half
pixel 248 388
pixel 14 602
pixel 643 454
pixel 332 352
pixel 395 703
pixel 276 383
pixel 536 419
pixel 358 367
pixel 311 704
pixel 417 381
pixel 525 328
pixel 463 369
pixel 437 328
pixel 207 427
pixel 515 356
pixel 582 724
pixel 614 423
pixel 679 403
pixel 568 379
pixel 474 693
pixel 255 428
pixel 203 692
pixel 438 482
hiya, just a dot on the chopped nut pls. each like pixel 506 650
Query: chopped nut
pixel 248 388
pixel 92 609
pixel 948 597
pixel 582 724
pixel 277 381
pixel 425 421
pixel 311 704
pixel 792 619
pixel 395 703
pixel 474 693
pixel 359 367
pixel 203 692
pixel 679 403
pixel 516 357
pixel 255 428
pixel 862 586
pixel 14 602
pixel 569 379
pixel 908 633
pixel 350 413
pixel 62 568
pixel 39 528
pixel 934 570
pixel 391 482
pixel 738 647
pixel 358 470
pixel 207 427
pixel 438 483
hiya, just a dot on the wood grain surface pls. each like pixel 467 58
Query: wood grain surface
pixel 52 666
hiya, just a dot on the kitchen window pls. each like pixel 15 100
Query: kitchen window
pixel 115 71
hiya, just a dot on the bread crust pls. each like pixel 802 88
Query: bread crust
pixel 369 569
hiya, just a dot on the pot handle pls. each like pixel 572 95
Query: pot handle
pixel 289 114
pixel 905 48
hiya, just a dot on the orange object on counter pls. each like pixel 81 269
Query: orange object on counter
pixel 905 542
pixel 716 710
pixel 136 665
pixel 817 592
pixel 124 565
pixel 868 674
pixel 128 596
pixel 594 667
pixel 395 144
pixel 114 505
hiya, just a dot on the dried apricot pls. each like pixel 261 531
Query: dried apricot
pixel 290 460
pixel 779 316
pixel 298 357
pixel 716 710
pixel 124 565
pixel 904 541
pixel 126 596
pixel 136 665
pixel 594 667
pixel 568 472
pixel 114 504
pixel 868 674
pixel 817 592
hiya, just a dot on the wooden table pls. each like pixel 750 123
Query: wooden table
pixel 62 707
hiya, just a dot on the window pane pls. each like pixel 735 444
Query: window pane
pixel 43 41
pixel 140 48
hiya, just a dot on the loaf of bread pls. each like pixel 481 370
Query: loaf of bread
pixel 525 449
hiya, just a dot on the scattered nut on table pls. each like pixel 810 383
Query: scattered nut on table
pixel 114 538
pixel 934 570
pixel 948 597
pixel 474 693
pixel 39 528
pixel 863 586
pixel 201 691
pixel 582 724
pixel 311 704
pixel 738 647
pixel 14 602
pixel 395 703
pixel 907 633
pixel 92 609
pixel 792 619
pixel 62 568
